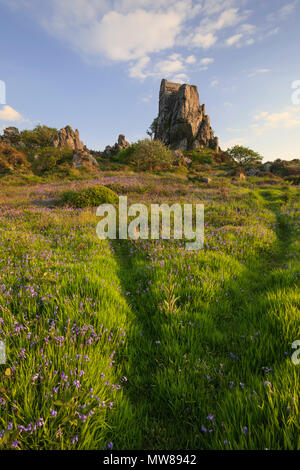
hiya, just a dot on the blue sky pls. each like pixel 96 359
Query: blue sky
pixel 97 65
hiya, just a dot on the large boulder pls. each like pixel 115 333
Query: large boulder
pixel 182 122
pixel 66 137
pixel 252 172
pixel 83 158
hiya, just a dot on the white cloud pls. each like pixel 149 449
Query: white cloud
pixel 282 13
pixel 288 118
pixel 132 36
pixel 212 7
pixel 137 30
pixel 204 40
pixel 191 59
pixel 168 67
pixel 234 39
pixel 10 114
pixel 205 35
pixel 288 9
pixel 207 61
pixel 247 28
pixel 175 67
pixel 138 70
pixel 258 72
pixel 214 83
pixel 180 78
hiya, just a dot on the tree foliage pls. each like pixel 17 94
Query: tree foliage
pixel 153 128
pixel 48 159
pixel 151 155
pixel 40 136
pixel 244 156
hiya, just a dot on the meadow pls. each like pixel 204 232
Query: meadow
pixel 141 344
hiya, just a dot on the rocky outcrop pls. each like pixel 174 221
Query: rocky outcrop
pixel 11 135
pixel 115 149
pixel 10 132
pixel 66 137
pixel 182 122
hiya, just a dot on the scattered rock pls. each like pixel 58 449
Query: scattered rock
pixel 203 179
pixel 122 142
pixel 182 122
pixel 252 172
pixel 115 149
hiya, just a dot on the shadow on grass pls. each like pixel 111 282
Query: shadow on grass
pixel 169 408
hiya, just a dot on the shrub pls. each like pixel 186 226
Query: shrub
pixel 50 158
pixel 11 159
pixel 201 156
pixel 40 136
pixel 89 197
pixel 151 155
pixel 152 131
pixel 125 155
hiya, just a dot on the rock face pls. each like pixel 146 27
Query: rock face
pixel 115 149
pixel 182 122
pixel 66 137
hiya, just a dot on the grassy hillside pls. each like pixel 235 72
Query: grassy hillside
pixel 143 345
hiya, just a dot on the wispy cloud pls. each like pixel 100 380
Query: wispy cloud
pixel 265 121
pixel 144 33
pixel 258 72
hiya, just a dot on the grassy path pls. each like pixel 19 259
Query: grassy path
pixel 216 371
pixel 144 345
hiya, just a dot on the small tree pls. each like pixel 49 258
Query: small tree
pixel 50 158
pixel 244 156
pixel 153 128
pixel 40 136
pixel 151 154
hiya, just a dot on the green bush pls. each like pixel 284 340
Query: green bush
pixel 40 136
pixel 48 159
pixel 204 156
pixel 89 197
pixel 125 155
pixel 151 155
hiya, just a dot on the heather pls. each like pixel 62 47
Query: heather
pixel 141 344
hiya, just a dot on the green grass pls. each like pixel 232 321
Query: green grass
pixel 195 347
